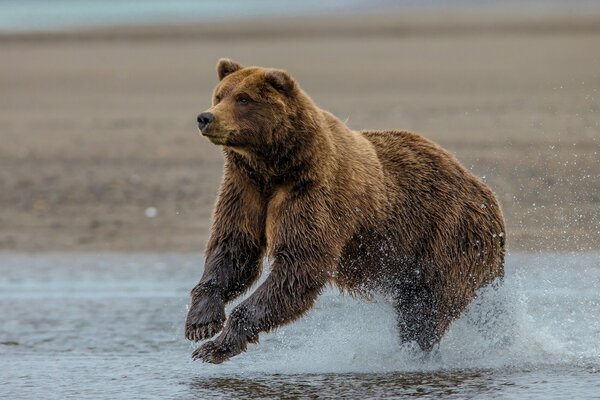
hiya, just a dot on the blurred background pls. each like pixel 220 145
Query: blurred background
pixel 107 189
pixel 99 148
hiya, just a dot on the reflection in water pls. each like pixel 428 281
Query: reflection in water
pixel 410 385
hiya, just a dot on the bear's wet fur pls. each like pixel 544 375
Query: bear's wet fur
pixel 385 212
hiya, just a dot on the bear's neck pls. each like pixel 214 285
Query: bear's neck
pixel 307 156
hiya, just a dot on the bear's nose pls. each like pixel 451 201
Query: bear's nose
pixel 204 119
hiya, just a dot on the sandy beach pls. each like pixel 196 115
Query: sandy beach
pixel 97 127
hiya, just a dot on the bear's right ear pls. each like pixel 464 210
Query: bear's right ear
pixel 225 66
pixel 280 80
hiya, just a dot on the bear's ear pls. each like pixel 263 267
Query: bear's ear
pixel 280 80
pixel 225 66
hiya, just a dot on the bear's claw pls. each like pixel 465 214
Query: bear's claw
pixel 215 352
pixel 198 332
pixel 205 318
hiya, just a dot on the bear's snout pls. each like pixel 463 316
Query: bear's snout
pixel 204 119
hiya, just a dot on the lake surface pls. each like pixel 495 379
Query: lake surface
pixel 110 326
pixel 33 15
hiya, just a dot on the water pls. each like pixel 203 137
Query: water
pixel 32 15
pixel 103 326
pixel 18 15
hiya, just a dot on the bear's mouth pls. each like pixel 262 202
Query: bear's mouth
pixel 217 138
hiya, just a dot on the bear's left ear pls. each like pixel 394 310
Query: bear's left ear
pixel 280 80
pixel 225 66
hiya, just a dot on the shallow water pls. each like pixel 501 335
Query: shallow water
pixel 110 326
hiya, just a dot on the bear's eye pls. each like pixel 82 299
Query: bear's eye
pixel 217 99
pixel 243 100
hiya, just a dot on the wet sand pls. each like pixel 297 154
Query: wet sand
pixel 98 126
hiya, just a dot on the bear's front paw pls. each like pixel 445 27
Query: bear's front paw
pixel 205 318
pixel 219 350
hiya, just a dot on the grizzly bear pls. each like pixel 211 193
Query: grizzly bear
pixel 386 212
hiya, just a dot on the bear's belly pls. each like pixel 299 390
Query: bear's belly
pixel 372 261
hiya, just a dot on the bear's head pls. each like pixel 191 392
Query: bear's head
pixel 256 111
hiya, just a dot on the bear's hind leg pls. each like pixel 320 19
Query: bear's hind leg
pixel 418 318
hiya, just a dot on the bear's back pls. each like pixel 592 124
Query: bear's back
pixel 437 207
pixel 413 163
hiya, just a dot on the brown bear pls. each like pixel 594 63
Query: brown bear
pixel 385 212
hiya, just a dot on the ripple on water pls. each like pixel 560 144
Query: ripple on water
pixel 110 325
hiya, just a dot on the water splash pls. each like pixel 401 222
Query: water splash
pixel 546 312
